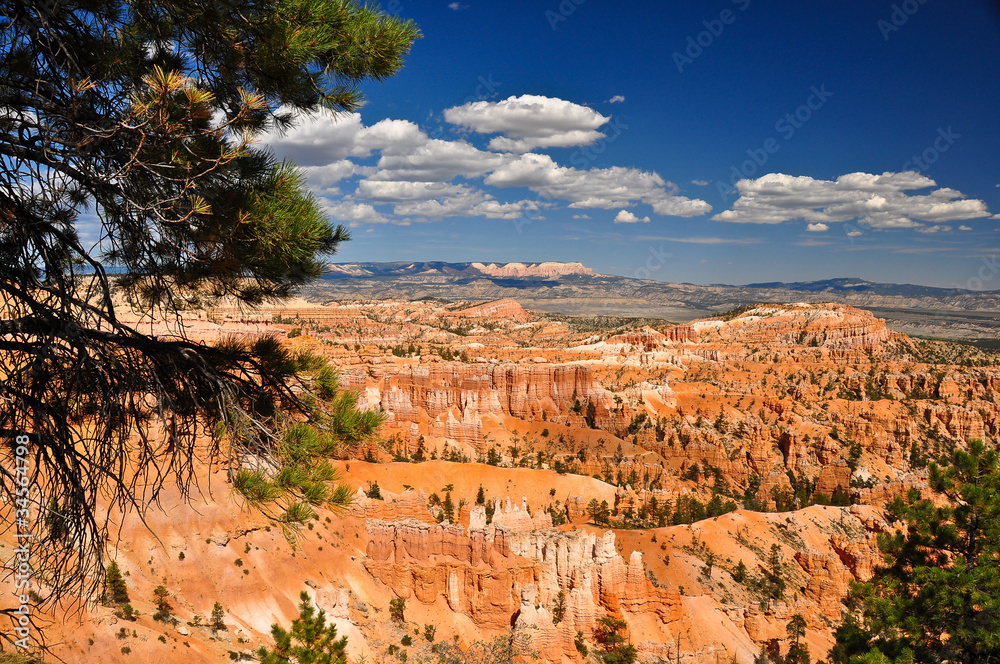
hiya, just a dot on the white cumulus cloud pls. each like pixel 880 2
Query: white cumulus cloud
pixel 877 201
pixel 356 213
pixel 322 138
pixel 602 188
pixel 617 99
pixel 529 121
pixel 626 217
pixel 817 228
pixel 416 177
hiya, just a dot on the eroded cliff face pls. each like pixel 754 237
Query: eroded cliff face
pixel 450 400
pixel 489 572
pixel 506 309
pixel 825 331
pixel 513 571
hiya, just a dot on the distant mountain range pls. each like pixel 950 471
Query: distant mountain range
pixel 572 288
pixel 843 285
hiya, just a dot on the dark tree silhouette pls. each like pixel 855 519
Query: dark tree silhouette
pixel 137 119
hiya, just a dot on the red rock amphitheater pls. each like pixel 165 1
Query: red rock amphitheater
pixel 773 407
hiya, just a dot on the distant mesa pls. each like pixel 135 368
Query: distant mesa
pixel 546 269
pixel 509 270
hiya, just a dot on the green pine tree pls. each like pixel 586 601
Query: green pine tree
pixel 611 633
pixel 218 617
pixel 310 641
pixel 116 590
pixel 937 598
pixel 594 511
pixel 559 608
pixel 162 601
pixel 397 609
pixel 448 508
pixel 798 651
pixel 142 117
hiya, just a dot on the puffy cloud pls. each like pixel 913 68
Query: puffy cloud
pixel 356 213
pixel 817 228
pixel 529 122
pixel 617 99
pixel 394 191
pixel 436 160
pixel 602 188
pixel 322 138
pixel 669 205
pixel 323 179
pixel 467 204
pixel 700 183
pixel 433 200
pixel 963 227
pixel 581 216
pixel 934 229
pixel 878 201
pixel 626 217
pixel 415 174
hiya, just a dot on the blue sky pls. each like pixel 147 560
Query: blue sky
pixel 705 142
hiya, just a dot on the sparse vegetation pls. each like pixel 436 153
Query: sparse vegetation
pixel 218 622
pixel 115 588
pixel 611 635
pixel 162 601
pixel 397 607
pixel 311 640
pixel 559 608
